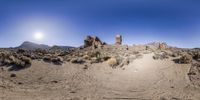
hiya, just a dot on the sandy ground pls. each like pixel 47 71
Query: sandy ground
pixel 143 79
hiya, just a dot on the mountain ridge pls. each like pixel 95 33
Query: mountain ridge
pixel 33 46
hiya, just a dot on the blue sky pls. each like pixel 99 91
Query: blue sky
pixel 68 22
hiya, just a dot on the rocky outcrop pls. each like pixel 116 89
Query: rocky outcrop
pixel 162 46
pixel 118 40
pixel 94 41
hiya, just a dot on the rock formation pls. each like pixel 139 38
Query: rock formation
pixel 118 40
pixel 95 42
pixel 162 46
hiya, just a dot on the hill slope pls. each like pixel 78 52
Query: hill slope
pixel 32 46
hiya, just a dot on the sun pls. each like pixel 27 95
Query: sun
pixel 38 35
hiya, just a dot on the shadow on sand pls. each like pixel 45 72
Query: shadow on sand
pixel 17 68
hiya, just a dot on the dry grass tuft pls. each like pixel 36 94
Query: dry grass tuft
pixel 112 62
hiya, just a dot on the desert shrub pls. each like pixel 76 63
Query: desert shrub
pixel 26 60
pixel 105 58
pixel 86 57
pixel 147 47
pixel 168 52
pixel 77 60
pixel 40 54
pixel 112 62
pixel 175 54
pixel 36 56
pixel 27 54
pixel 13 75
pixel 57 60
pixel 12 59
pixel 126 61
pixel 21 50
pixel 138 55
pixel 47 58
pixel 16 55
pixel 4 54
pixel 196 56
pixel 20 63
pixel 33 56
pixel 95 60
pixel 160 56
pixel 185 59
pixel 7 61
pixel 63 53
pixel 41 51
pixel 94 54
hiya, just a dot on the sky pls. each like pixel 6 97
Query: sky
pixel 68 22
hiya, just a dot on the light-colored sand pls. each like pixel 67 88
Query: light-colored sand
pixel 143 79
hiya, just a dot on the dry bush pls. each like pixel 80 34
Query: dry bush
pixel 63 53
pixel 185 59
pixel 21 50
pixel 7 61
pixel 105 58
pixel 25 59
pixel 93 54
pixel 196 56
pixel 57 60
pixel 160 56
pixel 175 54
pixel 77 60
pixel 86 57
pixel 47 58
pixel 126 61
pixel 95 60
pixel 112 62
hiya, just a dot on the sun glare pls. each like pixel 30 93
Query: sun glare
pixel 38 36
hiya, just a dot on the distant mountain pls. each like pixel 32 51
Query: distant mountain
pixel 61 47
pixel 32 46
pixel 156 44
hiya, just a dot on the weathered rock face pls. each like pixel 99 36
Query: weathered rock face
pixel 118 40
pixel 162 46
pixel 92 41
